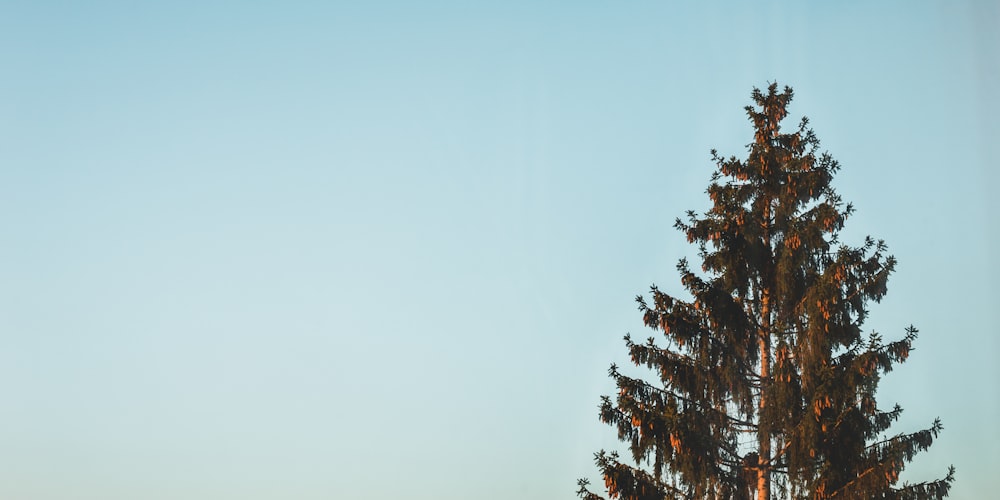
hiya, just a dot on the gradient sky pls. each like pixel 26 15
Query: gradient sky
pixel 375 250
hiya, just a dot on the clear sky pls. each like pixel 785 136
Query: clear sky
pixel 375 250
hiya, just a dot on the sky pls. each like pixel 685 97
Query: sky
pixel 375 250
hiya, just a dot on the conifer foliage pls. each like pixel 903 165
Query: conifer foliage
pixel 766 383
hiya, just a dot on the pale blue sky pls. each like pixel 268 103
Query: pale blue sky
pixel 374 250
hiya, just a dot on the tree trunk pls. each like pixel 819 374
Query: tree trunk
pixel 763 429
pixel 764 337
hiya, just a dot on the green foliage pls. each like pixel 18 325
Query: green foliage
pixel 769 347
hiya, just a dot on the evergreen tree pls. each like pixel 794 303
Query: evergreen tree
pixel 766 382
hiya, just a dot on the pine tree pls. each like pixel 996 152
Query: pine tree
pixel 767 383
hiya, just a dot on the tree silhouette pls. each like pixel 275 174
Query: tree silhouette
pixel 767 383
